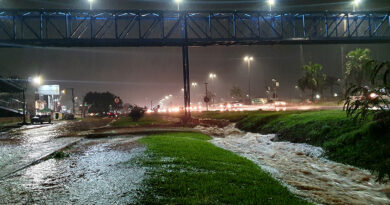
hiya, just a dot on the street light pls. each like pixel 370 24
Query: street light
pixel 178 2
pixel 194 84
pixel 355 4
pixel 73 98
pixel 271 3
pixel 212 76
pixel 249 59
pixel 90 4
pixel 37 80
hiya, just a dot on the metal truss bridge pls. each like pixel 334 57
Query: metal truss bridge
pixel 194 28
pixel 65 28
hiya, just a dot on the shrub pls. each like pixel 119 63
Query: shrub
pixel 136 113
pixel 60 155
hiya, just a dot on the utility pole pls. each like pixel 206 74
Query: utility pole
pixel 249 79
pixel 248 59
pixel 73 108
pixel 206 98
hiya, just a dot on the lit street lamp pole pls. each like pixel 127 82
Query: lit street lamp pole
pixel 248 59
pixel 64 92
pixel 271 3
pixel 277 84
pixel 90 4
pixel 355 4
pixel 37 81
pixel 206 98
pixel 212 76
pixel 194 85
pixel 178 4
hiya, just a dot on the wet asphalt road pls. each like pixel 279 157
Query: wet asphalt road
pixel 22 146
pixel 97 171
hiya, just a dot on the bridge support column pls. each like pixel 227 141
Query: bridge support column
pixel 186 77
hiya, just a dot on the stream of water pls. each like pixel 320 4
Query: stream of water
pixel 302 168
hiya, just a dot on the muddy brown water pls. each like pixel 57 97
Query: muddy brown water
pixel 303 168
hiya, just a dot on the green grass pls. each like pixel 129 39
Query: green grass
pixel 231 116
pixel 365 144
pixel 186 169
pixel 60 155
pixel 314 127
pixel 148 119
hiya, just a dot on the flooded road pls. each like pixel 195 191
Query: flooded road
pixel 22 146
pixel 96 172
pixel 303 169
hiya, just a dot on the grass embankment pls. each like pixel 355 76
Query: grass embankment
pixel 365 144
pixel 186 169
pixel 231 116
pixel 147 120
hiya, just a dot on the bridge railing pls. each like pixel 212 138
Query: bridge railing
pixel 164 28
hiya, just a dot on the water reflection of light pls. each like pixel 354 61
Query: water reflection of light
pixel 39 174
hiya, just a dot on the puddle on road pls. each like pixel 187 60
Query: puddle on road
pixel 96 172
pixel 302 168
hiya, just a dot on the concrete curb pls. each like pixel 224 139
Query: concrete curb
pixel 133 131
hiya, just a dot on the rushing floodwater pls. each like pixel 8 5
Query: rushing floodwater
pixel 303 169
pixel 97 172
pixel 22 146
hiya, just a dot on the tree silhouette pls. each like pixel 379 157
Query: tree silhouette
pixel 100 102
pixel 313 79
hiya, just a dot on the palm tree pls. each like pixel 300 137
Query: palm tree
pixel 355 66
pixel 313 79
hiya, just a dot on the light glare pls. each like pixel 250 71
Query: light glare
pixel 37 80
pixel 356 2
pixel 248 58
pixel 373 95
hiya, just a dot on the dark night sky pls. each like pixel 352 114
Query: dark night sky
pixel 139 75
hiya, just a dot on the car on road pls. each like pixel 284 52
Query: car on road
pixel 280 105
pixel 41 119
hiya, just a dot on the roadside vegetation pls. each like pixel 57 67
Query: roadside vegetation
pixel 147 120
pixel 60 155
pixel 231 116
pixel 186 169
pixel 359 136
